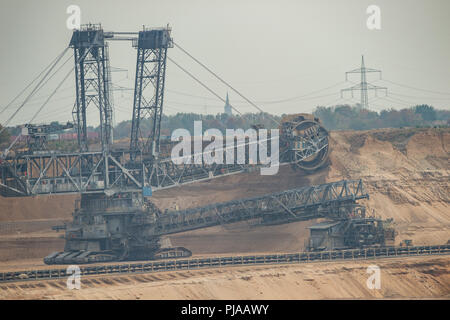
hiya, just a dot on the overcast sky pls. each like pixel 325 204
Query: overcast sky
pixel 269 50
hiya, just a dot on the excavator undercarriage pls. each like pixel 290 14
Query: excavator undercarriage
pixel 127 226
pixel 115 228
pixel 113 220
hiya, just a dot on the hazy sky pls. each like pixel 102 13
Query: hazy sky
pixel 269 50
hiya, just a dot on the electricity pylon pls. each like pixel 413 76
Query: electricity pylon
pixel 363 86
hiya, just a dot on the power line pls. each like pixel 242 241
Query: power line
pixel 398 101
pixel 363 86
pixel 193 104
pixel 223 81
pixel 56 99
pixel 40 98
pixel 414 88
pixel 305 96
pixel 416 97
pixel 20 93
pixel 51 95
pixel 57 112
pixel 40 84
pixel 201 83
pixel 270 101
pixel 334 101
pixel 176 109
pixel 182 103
pixel 190 95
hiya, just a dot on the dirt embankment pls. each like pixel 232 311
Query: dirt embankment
pixel 37 208
pixel 406 172
pixel 416 277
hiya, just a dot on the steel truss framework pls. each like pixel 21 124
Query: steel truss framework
pixel 92 79
pixel 305 143
pixel 149 88
pixel 332 200
pixel 106 170
pixel 312 146
pixel 65 173
pixel 220 262
pixel 97 171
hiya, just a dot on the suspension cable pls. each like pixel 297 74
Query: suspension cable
pixel 40 87
pixel 37 112
pixel 202 84
pixel 305 96
pixel 36 88
pixel 49 97
pixel 415 88
pixel 223 81
pixel 21 92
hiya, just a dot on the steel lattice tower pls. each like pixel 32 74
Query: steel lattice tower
pixel 92 82
pixel 363 86
pixel 151 47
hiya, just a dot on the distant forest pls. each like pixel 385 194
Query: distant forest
pixel 186 121
pixel 345 117
pixel 339 117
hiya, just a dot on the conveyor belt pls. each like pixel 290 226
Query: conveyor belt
pixel 227 261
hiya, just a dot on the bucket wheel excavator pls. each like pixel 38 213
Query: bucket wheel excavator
pixel 113 219
pixel 303 142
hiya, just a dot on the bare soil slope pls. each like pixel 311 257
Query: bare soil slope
pixel 416 277
pixel 407 175
pixel 406 172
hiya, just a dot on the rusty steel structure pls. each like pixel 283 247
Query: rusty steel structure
pixel 227 261
pixel 114 219
pixel 305 141
pixel 92 82
pixel 151 45
pixel 127 228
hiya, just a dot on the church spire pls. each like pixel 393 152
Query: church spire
pixel 227 108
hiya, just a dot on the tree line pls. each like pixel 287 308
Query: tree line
pixel 346 117
pixel 339 117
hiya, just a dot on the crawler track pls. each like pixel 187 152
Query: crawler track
pixel 227 261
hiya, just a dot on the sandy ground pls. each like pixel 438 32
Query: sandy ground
pixel 424 277
pixel 406 172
